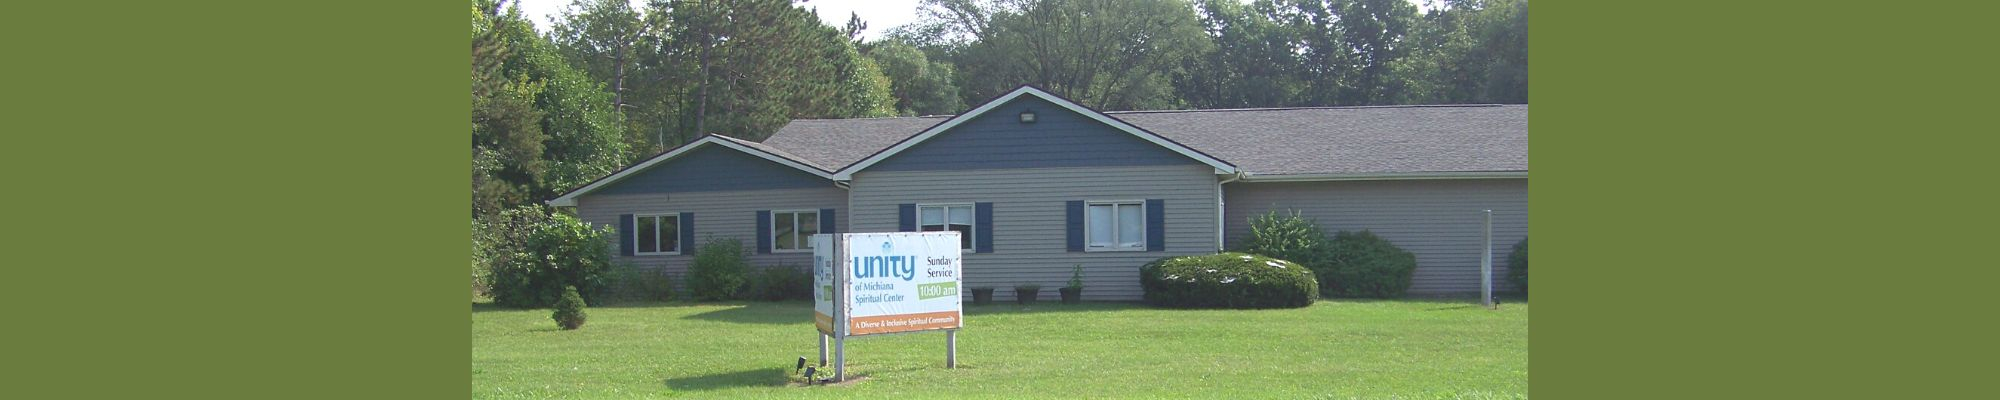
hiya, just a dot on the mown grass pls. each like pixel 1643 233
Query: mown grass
pixel 1334 349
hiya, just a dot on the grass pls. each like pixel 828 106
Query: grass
pixel 1334 349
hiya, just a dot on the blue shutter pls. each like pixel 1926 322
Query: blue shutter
pixel 625 234
pixel 687 234
pixel 982 219
pixel 763 231
pixel 1075 223
pixel 906 218
pixel 826 224
pixel 1156 225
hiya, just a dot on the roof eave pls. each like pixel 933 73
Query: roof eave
pixel 569 199
pixel 1383 176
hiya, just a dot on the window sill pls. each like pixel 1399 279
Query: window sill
pixel 655 254
pixel 1111 250
pixel 788 251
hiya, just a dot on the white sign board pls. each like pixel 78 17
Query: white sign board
pixel 886 282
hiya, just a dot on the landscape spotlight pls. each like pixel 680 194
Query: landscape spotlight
pixel 802 364
pixel 810 371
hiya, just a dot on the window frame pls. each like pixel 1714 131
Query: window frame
pixel 805 242
pixel 1115 204
pixel 972 234
pixel 679 242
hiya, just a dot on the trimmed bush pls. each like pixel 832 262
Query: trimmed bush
pixel 535 254
pixel 780 283
pixel 1228 280
pixel 569 310
pixel 634 283
pixel 1365 265
pixel 1517 265
pixel 1290 237
pixel 719 271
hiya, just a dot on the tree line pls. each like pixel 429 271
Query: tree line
pixel 610 84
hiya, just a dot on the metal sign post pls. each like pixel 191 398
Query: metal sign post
pixel 1486 266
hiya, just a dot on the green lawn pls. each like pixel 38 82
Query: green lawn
pixel 1334 349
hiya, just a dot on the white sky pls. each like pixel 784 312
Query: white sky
pixel 880 14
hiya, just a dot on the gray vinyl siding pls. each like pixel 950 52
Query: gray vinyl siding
pixel 1057 138
pixel 1029 231
pixel 1438 220
pixel 722 214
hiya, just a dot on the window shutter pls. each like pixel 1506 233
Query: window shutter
pixel 625 233
pixel 763 231
pixel 982 218
pixel 906 218
pixel 687 233
pixel 1075 225
pixel 826 224
pixel 1156 225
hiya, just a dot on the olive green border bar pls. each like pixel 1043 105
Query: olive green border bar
pixel 236 199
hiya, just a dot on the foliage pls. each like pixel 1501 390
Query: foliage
pixel 920 86
pixel 539 126
pixel 719 271
pixel 1076 277
pixel 780 283
pixel 1517 265
pixel 1365 265
pixel 634 283
pixel 1227 280
pixel 569 312
pixel 1293 237
pixel 537 253
pixel 1106 54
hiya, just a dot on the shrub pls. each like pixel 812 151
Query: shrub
pixel 780 283
pixel 535 254
pixel 719 271
pixel 1227 280
pixel 634 283
pixel 1292 237
pixel 1517 265
pixel 569 310
pixel 1365 265
pixel 1076 277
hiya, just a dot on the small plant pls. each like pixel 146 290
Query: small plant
pixel 1025 293
pixel 569 310
pixel 982 295
pixel 1517 266
pixel 1073 293
pixel 719 271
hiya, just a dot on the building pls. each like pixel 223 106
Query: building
pixel 1039 184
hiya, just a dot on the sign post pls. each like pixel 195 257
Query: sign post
pixel 1486 265
pixel 884 283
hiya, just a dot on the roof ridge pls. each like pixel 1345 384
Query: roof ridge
pixel 1314 108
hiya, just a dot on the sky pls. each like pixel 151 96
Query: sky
pixel 880 14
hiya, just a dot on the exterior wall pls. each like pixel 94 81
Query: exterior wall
pixel 714 168
pixel 1029 232
pixel 1058 138
pixel 720 214
pixel 1439 220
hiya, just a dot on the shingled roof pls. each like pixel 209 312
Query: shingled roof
pixel 1376 140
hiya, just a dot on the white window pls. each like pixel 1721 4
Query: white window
pixel 1116 226
pixel 947 217
pixel 658 234
pixel 791 231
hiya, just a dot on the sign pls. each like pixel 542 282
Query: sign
pixel 877 283
pixel 886 282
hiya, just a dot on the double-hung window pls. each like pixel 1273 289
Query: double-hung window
pixel 947 217
pixel 791 231
pixel 1116 226
pixel 658 234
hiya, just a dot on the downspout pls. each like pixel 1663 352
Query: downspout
pixel 1219 206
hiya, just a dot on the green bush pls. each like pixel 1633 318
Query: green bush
pixel 1227 280
pixel 780 283
pixel 1290 237
pixel 535 254
pixel 569 310
pixel 1364 265
pixel 1517 265
pixel 719 271
pixel 634 283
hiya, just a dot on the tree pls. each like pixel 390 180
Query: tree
pixel 761 63
pixel 538 125
pixel 619 45
pixel 1254 62
pixel 1107 54
pixel 920 86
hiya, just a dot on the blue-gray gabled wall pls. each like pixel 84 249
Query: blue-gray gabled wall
pixel 1058 138
pixel 713 168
